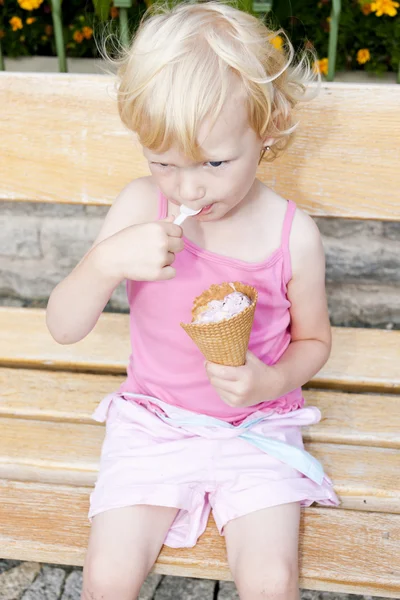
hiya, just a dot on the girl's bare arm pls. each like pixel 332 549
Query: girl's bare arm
pixel 310 328
pixel 77 302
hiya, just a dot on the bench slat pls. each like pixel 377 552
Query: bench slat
pixel 58 396
pixel 361 359
pixel 52 125
pixel 49 452
pixel 49 523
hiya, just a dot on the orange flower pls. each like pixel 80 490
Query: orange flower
pixel 363 56
pixel 78 37
pixel 277 42
pixel 385 7
pixel 321 66
pixel 15 23
pixel 48 30
pixel 29 4
pixel 87 32
pixel 30 20
pixel 114 12
pixel 2 32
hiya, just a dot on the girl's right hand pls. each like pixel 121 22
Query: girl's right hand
pixel 142 252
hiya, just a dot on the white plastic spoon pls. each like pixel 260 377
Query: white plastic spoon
pixel 185 212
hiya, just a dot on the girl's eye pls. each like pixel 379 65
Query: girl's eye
pixel 216 163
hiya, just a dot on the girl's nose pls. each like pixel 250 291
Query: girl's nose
pixel 190 190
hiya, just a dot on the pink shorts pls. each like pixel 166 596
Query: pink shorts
pixel 145 460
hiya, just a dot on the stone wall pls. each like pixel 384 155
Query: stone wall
pixel 41 243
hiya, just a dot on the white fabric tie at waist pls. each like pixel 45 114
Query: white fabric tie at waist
pixel 298 458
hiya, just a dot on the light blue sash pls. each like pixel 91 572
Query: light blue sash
pixel 295 457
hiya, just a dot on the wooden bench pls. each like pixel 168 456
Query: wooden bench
pixel 62 142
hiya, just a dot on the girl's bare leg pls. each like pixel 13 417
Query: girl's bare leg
pixel 123 546
pixel 262 552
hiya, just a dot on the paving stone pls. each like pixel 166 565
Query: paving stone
pixel 47 586
pixel 185 588
pixel 14 581
pixel 149 587
pixel 6 564
pixel 73 586
pixel 227 591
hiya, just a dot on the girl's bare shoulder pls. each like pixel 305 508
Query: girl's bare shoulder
pixel 137 203
pixel 305 244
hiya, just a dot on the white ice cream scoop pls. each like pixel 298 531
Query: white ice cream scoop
pixel 185 212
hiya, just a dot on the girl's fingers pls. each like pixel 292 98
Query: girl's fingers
pixel 224 384
pixel 173 230
pixel 170 258
pixel 167 273
pixel 222 371
pixel 175 244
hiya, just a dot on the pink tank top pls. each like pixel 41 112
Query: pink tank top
pixel 166 364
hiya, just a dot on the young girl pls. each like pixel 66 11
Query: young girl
pixel 208 95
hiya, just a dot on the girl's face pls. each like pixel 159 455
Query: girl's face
pixel 232 150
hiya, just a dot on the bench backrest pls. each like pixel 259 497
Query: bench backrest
pixel 61 141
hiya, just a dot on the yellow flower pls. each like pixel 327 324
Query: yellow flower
pixel 87 32
pixel 277 42
pixel 321 66
pixel 30 4
pixel 384 7
pixel 30 20
pixel 78 37
pixel 363 56
pixel 15 23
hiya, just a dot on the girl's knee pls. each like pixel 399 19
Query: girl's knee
pixel 272 581
pixel 108 581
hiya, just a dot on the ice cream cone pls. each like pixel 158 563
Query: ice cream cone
pixel 224 342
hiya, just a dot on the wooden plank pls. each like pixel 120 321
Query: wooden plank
pixel 361 359
pixel 69 453
pixel 52 125
pixel 49 523
pixel 359 419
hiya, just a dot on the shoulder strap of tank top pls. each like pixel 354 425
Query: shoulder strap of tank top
pixel 286 229
pixel 162 206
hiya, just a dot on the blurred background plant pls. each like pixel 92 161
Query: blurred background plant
pixel 369 32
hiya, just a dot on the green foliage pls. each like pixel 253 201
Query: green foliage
pixel 303 20
pixel 307 20
pixel 102 8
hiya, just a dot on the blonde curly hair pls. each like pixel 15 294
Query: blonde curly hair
pixel 178 71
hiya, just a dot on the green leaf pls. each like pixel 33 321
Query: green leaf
pixel 102 9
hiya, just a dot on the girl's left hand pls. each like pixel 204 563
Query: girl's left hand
pixel 250 384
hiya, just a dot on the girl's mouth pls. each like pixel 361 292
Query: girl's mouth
pixel 206 209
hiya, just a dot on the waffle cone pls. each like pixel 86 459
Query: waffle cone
pixel 224 342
